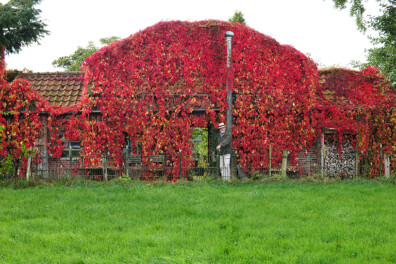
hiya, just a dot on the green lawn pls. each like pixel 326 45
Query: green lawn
pixel 207 222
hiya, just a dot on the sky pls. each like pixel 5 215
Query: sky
pixel 328 36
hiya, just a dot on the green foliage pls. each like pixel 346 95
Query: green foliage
pixel 8 164
pixel 1 133
pixel 74 61
pixel 238 17
pixel 20 24
pixel 382 55
pixel 7 168
pixel 257 175
pixel 205 222
pixel 108 40
pixel 357 10
pixel 200 141
pixel 123 180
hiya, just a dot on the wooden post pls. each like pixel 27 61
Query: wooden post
pixel 180 161
pixel 387 166
pixel 45 158
pixel 270 161
pixel 284 163
pixel 357 161
pixel 218 165
pixel 45 166
pixel 104 164
pixel 380 161
pixel 28 168
pixel 233 165
pixel 71 158
pixel 322 154
pixel 127 159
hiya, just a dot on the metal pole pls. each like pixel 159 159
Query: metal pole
pixel 229 35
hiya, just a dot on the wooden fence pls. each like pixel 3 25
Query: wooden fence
pixel 167 167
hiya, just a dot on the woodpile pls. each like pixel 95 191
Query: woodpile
pixel 340 163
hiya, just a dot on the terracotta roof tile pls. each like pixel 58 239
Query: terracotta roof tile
pixel 59 88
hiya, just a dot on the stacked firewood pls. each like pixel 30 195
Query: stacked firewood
pixel 340 162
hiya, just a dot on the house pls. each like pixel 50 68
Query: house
pixel 145 86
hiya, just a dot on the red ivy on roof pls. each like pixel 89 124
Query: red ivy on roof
pixel 361 103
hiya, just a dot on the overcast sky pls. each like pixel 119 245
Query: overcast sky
pixel 314 27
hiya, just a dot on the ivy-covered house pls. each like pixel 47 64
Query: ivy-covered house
pixel 66 88
pixel 155 86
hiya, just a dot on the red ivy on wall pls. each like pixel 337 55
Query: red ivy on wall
pixel 361 103
pixel 19 115
pixel 147 86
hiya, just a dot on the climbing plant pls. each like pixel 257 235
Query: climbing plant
pixel 19 117
pixel 146 88
pixel 361 103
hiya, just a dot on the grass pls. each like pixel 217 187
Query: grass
pixel 200 222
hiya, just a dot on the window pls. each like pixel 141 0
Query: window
pixel 72 148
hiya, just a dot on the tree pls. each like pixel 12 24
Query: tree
pixel 382 55
pixel 20 24
pixel 74 61
pixel 238 17
pixel 357 10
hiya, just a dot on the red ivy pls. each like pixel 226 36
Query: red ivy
pixel 19 115
pixel 148 85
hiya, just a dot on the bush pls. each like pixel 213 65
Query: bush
pixel 7 167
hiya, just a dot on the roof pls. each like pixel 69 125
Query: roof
pixel 59 88
pixel 349 87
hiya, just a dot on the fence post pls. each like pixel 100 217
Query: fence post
pixel 357 161
pixel 180 160
pixel 71 159
pixel 387 166
pixel 284 163
pixel 28 168
pixel 322 154
pixel 45 166
pixel 218 165
pixel 233 165
pixel 127 160
pixel 270 161
pixel 380 161
pixel 104 164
